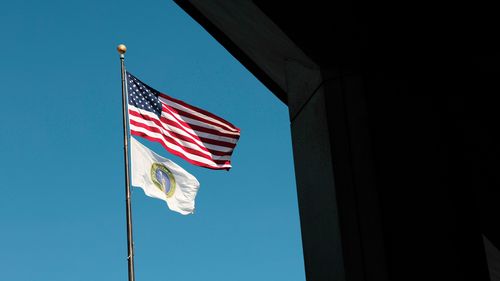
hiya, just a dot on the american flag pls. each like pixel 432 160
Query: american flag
pixel 199 137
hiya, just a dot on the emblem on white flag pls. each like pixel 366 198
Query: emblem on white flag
pixel 161 178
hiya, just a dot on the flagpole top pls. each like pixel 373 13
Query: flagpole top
pixel 121 49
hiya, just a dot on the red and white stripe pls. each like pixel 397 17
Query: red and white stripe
pixel 194 134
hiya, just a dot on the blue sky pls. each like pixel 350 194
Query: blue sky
pixel 62 204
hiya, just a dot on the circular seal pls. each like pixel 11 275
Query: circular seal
pixel 163 179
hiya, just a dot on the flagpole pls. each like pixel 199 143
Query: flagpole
pixel 130 242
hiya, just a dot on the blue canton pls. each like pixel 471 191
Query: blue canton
pixel 142 96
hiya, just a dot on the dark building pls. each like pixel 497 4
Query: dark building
pixel 394 125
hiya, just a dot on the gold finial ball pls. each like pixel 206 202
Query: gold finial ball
pixel 121 49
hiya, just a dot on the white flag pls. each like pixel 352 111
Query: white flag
pixel 163 179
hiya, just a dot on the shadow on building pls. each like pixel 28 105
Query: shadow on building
pixel 395 129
